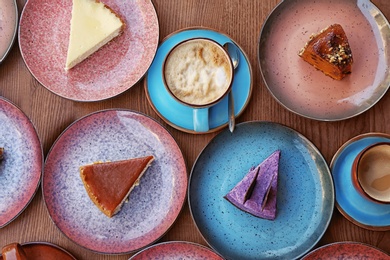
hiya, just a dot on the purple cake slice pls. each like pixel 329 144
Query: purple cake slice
pixel 256 192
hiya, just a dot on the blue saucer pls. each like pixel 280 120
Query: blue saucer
pixel 350 202
pixel 180 116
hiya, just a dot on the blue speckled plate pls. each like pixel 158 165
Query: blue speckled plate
pixel 153 205
pixel 350 202
pixel 21 168
pixel 305 193
pixel 178 115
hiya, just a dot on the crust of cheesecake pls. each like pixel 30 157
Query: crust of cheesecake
pixel 108 184
pixel 329 51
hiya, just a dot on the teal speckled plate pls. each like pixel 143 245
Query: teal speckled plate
pixel 305 193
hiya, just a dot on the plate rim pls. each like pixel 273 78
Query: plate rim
pixel 41 154
pixel 193 245
pixel 334 159
pixel 93 99
pixel 260 44
pixel 184 187
pixel 342 243
pixel 15 32
pixel 286 128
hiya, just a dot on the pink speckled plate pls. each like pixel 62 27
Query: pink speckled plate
pixel 8 26
pixel 177 250
pixel 153 205
pixel 301 88
pixel 21 168
pixel 347 250
pixel 43 39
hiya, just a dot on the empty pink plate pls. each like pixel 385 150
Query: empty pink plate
pixel 116 67
pixel 177 250
pixel 21 168
pixel 346 250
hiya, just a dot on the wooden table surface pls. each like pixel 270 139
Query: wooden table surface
pixel 242 21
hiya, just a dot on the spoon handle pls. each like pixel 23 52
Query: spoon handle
pixel 232 118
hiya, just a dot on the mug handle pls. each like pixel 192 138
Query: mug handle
pixel 201 119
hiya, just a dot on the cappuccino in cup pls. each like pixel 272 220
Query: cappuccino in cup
pixel 198 72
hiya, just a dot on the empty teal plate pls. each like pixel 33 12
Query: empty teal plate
pixel 305 193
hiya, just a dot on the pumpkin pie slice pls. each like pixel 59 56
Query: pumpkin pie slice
pixel 329 52
pixel 108 184
pixel 256 192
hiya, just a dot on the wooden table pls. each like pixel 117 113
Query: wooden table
pixel 240 19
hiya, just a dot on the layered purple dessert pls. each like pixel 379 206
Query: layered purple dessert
pixel 256 192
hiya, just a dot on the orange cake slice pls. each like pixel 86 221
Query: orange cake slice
pixel 13 251
pixel 108 184
pixel 329 51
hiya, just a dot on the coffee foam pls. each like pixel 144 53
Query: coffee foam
pixel 198 72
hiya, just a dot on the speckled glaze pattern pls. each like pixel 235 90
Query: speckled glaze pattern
pixel 177 250
pixel 301 88
pixel 21 168
pixel 346 250
pixel 43 39
pixel 45 251
pixel 180 116
pixel 8 26
pixel 305 198
pixel 153 205
pixel 352 204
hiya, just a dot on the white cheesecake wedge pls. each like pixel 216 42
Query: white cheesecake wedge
pixel 93 24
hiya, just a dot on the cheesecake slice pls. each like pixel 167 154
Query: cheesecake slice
pixel 329 52
pixel 108 184
pixel 256 192
pixel 93 24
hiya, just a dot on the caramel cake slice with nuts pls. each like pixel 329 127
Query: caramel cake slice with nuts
pixel 108 184
pixel 329 52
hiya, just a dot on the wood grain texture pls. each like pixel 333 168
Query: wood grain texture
pixel 240 19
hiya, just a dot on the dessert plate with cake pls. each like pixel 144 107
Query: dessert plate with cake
pixel 114 181
pixel 267 193
pixel 351 204
pixel 21 161
pixel 179 115
pixel 326 60
pixel 176 250
pixel 9 26
pixel 35 251
pixel 87 50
